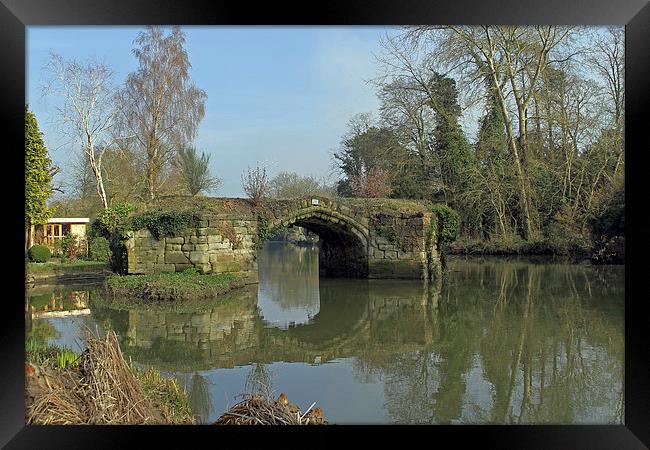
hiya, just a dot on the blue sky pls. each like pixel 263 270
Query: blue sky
pixel 278 95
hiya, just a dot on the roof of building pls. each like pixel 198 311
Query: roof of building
pixel 69 220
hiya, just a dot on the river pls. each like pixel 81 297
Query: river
pixel 499 341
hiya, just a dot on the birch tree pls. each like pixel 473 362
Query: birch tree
pixel 86 112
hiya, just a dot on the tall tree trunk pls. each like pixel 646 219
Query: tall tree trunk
pixel 151 180
pixel 96 166
pixel 524 195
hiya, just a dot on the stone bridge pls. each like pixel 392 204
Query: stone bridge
pixel 359 238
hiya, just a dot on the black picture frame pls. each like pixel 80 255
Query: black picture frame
pixel 16 15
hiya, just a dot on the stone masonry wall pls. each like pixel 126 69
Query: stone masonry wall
pixel 397 245
pixel 373 238
pixel 219 244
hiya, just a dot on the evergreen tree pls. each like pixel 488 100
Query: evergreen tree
pixel 452 148
pixel 38 178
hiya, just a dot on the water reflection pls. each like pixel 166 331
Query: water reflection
pixel 288 292
pixel 498 342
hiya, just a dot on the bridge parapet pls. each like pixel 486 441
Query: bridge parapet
pixel 364 238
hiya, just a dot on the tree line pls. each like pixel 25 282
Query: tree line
pixel 547 160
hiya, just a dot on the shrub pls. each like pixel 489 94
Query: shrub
pixel 39 253
pixel 69 247
pixel 448 222
pixel 112 217
pixel 256 184
pixel 99 249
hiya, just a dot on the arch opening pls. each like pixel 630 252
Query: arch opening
pixel 343 247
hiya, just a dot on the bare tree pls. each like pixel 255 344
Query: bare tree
pixel 87 112
pixel 256 184
pixel 608 60
pixel 509 60
pixel 161 107
pixel 372 182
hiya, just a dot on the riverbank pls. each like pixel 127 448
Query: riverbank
pixel 98 387
pixel 183 286
pixel 71 272
pixel 517 247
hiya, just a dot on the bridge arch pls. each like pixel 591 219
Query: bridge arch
pixel 344 240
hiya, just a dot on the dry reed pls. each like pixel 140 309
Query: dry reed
pixel 102 390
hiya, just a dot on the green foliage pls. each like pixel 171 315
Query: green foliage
pixel 39 253
pixel 99 249
pixel 447 223
pixel 67 358
pixel 263 229
pixel 112 224
pixel 69 247
pixel 114 216
pixel 367 147
pixel 608 224
pixel 608 218
pixel 165 393
pixel 77 264
pixel 163 223
pixel 196 172
pixel 42 354
pixel 38 169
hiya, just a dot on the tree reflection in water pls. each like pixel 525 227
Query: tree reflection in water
pixel 499 341
pixel 516 343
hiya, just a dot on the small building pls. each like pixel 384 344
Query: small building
pixel 53 231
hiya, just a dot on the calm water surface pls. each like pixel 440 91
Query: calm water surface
pixel 498 342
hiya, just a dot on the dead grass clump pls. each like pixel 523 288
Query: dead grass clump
pixel 114 394
pixel 257 409
pixel 103 389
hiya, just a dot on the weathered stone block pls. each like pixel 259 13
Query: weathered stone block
pixel 182 266
pixel 219 246
pixel 198 257
pixel 175 240
pixel 212 231
pixel 187 247
pixel 173 247
pixel 390 254
pixel 201 247
pixel 193 240
pixel 202 231
pixel 176 258
pixel 165 268
pixel 203 239
pixel 214 239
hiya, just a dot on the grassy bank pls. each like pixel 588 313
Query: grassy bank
pixel 54 265
pixel 517 246
pixel 98 387
pixel 166 287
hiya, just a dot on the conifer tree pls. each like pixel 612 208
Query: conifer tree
pixel 38 178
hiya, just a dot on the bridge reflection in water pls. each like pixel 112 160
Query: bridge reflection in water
pixel 500 341
pixel 353 316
